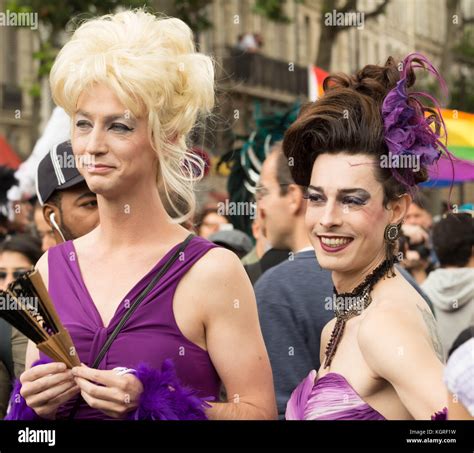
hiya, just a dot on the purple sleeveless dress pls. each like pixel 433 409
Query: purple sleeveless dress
pixel 151 335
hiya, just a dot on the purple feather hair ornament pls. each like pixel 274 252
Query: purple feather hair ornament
pixel 408 124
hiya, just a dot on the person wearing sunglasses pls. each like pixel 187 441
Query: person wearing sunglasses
pixel 18 254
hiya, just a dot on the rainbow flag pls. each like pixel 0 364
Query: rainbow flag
pixel 460 127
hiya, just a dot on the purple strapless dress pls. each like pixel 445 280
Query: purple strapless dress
pixel 332 398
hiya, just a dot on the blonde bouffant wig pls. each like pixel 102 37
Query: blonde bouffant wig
pixel 153 68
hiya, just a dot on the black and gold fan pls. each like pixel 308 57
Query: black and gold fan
pixel 26 305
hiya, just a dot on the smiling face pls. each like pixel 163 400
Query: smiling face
pixel 345 215
pixel 112 145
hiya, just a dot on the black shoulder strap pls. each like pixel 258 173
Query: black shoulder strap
pixel 6 346
pixel 138 301
pixel 131 310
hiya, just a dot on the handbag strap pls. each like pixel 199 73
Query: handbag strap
pixel 131 310
pixel 138 301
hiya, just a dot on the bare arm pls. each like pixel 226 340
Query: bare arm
pixel 234 339
pixel 395 348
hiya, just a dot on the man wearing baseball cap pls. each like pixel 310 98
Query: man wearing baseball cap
pixel 68 206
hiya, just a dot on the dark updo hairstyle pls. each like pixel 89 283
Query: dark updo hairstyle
pixel 348 118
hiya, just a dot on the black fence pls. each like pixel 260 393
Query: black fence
pixel 255 69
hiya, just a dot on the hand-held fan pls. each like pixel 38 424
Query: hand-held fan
pixel 26 305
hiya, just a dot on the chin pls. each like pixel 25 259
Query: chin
pixel 99 184
pixel 333 263
pixel 337 262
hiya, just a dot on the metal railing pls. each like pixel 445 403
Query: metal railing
pixel 255 69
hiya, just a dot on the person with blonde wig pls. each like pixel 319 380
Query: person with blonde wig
pixel 160 319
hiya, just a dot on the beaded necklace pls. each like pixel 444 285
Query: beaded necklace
pixel 353 303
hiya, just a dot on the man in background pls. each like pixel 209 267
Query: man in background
pixel 451 287
pixel 291 295
pixel 68 206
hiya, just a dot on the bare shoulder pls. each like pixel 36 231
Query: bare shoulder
pixel 218 265
pixel 216 281
pixel 385 316
pixel 391 333
pixel 400 313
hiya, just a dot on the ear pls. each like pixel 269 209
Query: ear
pixel 296 200
pixel 49 209
pixel 399 208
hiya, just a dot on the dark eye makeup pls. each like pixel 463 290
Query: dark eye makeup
pixel 120 127
pixel 357 197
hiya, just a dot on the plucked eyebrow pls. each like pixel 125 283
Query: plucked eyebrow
pixel 108 118
pixel 350 190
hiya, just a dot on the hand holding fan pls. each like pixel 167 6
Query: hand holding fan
pixel 26 305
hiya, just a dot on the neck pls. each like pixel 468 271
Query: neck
pixel 300 239
pixel 346 282
pixel 137 217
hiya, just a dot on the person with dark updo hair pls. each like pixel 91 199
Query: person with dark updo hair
pixel 359 152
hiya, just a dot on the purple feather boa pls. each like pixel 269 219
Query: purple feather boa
pixel 407 129
pixel 18 409
pixel 165 398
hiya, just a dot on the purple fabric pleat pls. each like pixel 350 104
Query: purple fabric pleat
pixel 330 398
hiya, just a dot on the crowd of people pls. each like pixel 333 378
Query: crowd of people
pixel 347 289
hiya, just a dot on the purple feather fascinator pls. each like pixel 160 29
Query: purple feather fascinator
pixel 412 130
